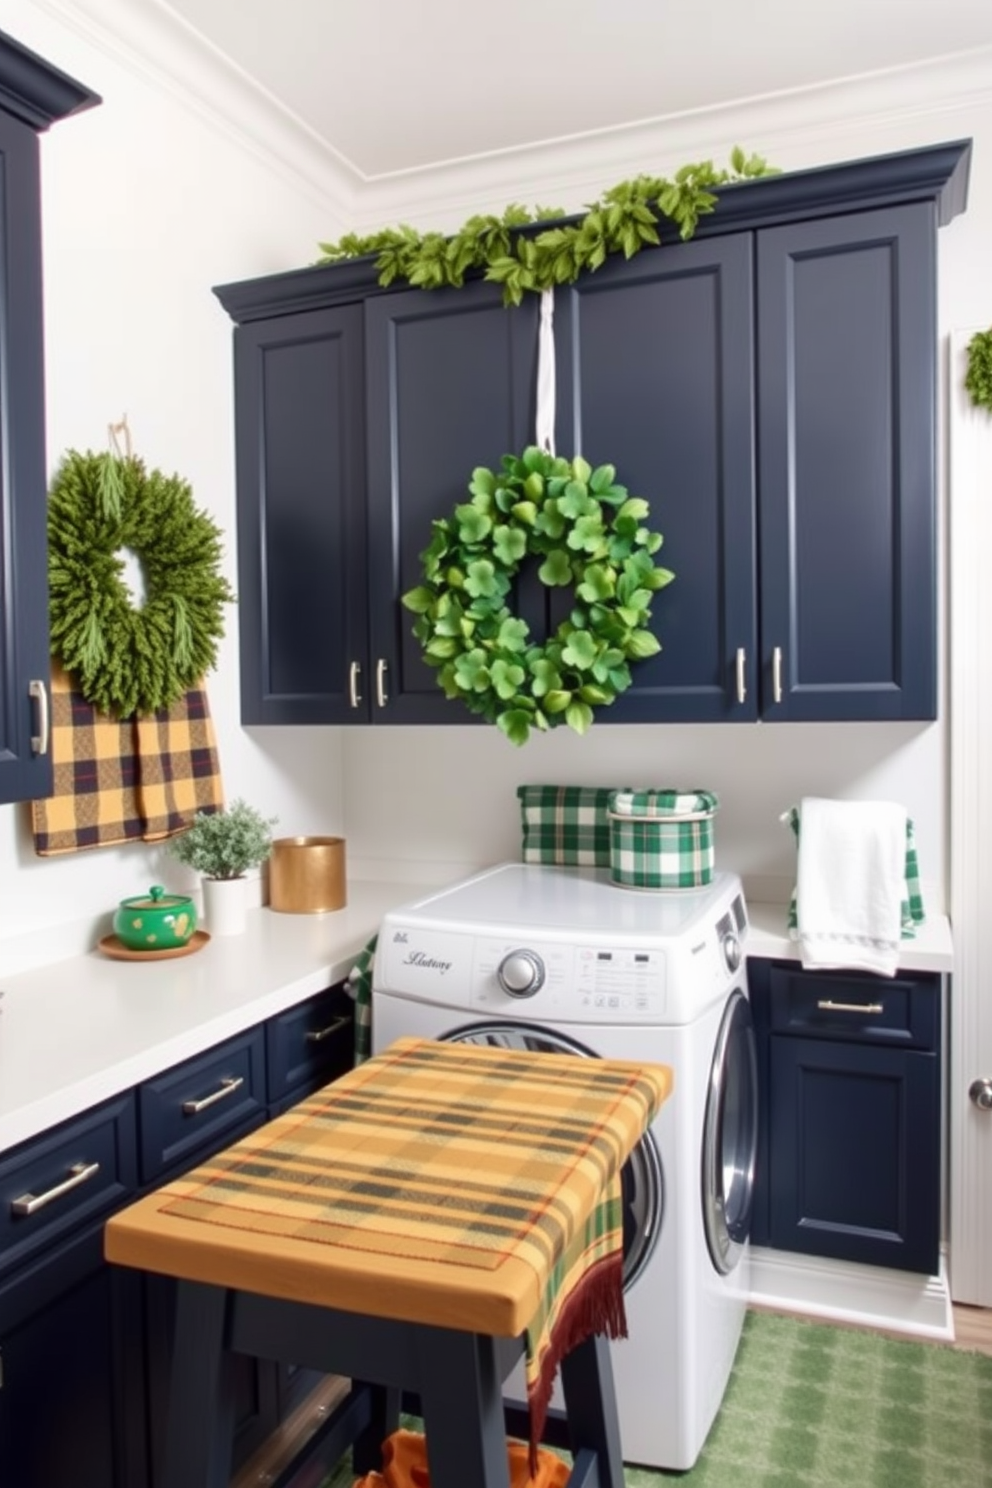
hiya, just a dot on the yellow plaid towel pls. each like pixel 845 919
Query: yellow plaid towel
pixel 451 1184
pixel 124 780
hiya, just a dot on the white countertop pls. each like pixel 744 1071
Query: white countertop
pixel 83 1029
pixel 930 949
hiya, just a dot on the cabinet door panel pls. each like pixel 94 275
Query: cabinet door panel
pixel 854 1153
pixel 301 529
pixel 659 352
pixel 23 542
pixel 451 385
pixel 72 1399
pixel 846 354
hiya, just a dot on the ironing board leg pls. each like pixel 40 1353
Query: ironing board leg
pixel 201 1396
pixel 462 1402
pixel 366 1451
pixel 591 1408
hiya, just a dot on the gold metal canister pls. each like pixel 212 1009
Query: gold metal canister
pixel 307 875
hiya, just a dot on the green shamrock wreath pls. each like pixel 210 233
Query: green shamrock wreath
pixel 589 535
pixel 129 659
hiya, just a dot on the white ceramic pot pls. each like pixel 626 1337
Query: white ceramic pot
pixel 225 905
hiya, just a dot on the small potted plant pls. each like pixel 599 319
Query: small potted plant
pixel 222 846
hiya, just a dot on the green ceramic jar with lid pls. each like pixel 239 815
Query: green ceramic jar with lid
pixel 155 921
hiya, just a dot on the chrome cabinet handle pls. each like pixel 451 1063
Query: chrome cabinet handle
pixel 777 674
pixel 317 1035
pixel 354 672
pixel 380 683
pixel 741 664
pixel 868 1008
pixel 31 1203
pixel 39 741
pixel 228 1086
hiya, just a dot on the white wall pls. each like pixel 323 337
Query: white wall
pixel 146 205
pixel 148 202
pixel 448 794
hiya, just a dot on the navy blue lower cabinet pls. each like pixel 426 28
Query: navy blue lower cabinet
pixel 849 1150
pixel 72 1372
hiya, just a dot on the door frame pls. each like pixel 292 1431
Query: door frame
pixel 969 616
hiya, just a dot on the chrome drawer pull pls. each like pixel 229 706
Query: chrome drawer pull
pixel 317 1035
pixel 31 1203
pixel 741 663
pixel 850 1007
pixel 381 695
pixel 228 1086
pixel 777 674
pixel 354 672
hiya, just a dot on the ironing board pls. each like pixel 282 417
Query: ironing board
pixel 415 1225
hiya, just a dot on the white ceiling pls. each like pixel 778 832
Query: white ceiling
pixel 391 86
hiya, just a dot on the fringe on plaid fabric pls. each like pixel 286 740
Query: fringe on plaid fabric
pixel 125 780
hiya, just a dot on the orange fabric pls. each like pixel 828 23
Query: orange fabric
pixel 404 1465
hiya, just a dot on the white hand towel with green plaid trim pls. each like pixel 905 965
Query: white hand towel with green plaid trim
pixel 851 884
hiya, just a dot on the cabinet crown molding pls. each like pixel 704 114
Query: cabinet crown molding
pixel 937 173
pixel 34 91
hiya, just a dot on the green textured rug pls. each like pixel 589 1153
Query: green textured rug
pixel 813 1406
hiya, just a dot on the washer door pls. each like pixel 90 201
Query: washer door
pixel 641 1177
pixel 730 1135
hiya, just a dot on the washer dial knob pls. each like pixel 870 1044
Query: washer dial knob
pixel 732 951
pixel 521 973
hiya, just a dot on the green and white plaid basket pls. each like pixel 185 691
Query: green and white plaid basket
pixel 661 839
pixel 565 824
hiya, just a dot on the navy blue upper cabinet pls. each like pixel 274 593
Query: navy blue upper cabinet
pixel 300 445
pixel 656 377
pixel 847 334
pixel 451 381
pixel 33 95
pixel 769 388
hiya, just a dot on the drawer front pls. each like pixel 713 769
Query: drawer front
pixel 310 1044
pixel 897 1010
pixel 54 1184
pixel 201 1105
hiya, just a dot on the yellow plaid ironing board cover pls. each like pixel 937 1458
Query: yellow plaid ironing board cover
pixel 452 1184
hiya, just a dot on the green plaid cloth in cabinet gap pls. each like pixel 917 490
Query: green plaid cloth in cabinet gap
pixel 360 981
pixel 911 907
pixel 565 824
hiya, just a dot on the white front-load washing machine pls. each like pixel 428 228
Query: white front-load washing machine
pixel 557 958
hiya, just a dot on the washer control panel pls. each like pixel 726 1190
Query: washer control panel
pixel 568 981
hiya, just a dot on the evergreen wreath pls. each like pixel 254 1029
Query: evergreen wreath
pixel 589 534
pixel 978 378
pixel 125 659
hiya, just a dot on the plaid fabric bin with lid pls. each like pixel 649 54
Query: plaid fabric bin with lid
pixel 661 839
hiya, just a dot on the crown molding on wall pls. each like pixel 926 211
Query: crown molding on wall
pixel 150 40
pixel 795 130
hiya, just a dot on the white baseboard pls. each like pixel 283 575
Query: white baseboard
pixel 872 1296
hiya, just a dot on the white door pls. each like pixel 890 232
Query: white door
pixel 970 670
